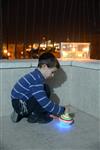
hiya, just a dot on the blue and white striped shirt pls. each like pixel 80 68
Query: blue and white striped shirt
pixel 32 85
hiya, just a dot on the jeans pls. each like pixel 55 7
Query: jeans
pixel 30 106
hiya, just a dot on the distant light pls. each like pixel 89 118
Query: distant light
pixel 80 55
pixel 30 46
pixel 28 49
pixel 85 49
pixel 8 54
pixel 35 46
pixel 50 45
pixel 73 49
pixel 5 51
pixel 21 52
pixel 64 54
pixel 42 45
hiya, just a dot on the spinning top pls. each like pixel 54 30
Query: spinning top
pixel 66 118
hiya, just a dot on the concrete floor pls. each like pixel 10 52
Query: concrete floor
pixel 83 135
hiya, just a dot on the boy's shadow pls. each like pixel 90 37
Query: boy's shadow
pixel 59 78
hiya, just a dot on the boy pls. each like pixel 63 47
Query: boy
pixel 30 95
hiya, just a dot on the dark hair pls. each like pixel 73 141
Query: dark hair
pixel 49 59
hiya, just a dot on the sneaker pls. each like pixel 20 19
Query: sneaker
pixel 15 117
pixel 44 119
pixel 32 118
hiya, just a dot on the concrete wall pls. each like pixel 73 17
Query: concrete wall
pixel 77 83
pixel 85 90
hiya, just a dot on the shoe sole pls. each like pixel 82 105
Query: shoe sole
pixel 15 118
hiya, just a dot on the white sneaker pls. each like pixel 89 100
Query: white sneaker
pixel 15 117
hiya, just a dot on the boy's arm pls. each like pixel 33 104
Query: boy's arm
pixel 39 93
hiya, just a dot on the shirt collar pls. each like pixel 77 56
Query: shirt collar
pixel 40 74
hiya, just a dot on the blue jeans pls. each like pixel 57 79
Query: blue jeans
pixel 26 108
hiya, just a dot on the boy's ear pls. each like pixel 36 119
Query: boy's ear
pixel 44 66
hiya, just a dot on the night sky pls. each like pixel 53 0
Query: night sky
pixel 58 20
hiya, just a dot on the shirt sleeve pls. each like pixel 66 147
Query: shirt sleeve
pixel 40 95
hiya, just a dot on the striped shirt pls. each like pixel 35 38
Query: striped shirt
pixel 32 85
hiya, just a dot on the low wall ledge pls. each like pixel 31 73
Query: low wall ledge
pixel 28 63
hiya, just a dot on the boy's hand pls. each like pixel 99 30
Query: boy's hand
pixel 67 109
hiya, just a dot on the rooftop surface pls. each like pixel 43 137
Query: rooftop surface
pixel 83 135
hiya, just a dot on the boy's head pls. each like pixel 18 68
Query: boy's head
pixel 49 59
pixel 48 64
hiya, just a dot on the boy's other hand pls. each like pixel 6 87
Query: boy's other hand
pixel 67 109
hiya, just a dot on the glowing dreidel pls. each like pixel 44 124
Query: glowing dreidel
pixel 66 118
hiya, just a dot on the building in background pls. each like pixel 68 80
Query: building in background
pixel 75 50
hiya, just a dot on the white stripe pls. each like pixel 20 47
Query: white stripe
pixel 26 80
pixel 13 97
pixel 36 85
pixel 58 110
pixel 23 86
pixel 47 104
pixel 20 93
pixel 52 108
pixel 37 92
pixel 41 98
pixel 32 76
pixel 39 76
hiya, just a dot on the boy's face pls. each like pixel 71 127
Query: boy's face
pixel 49 72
